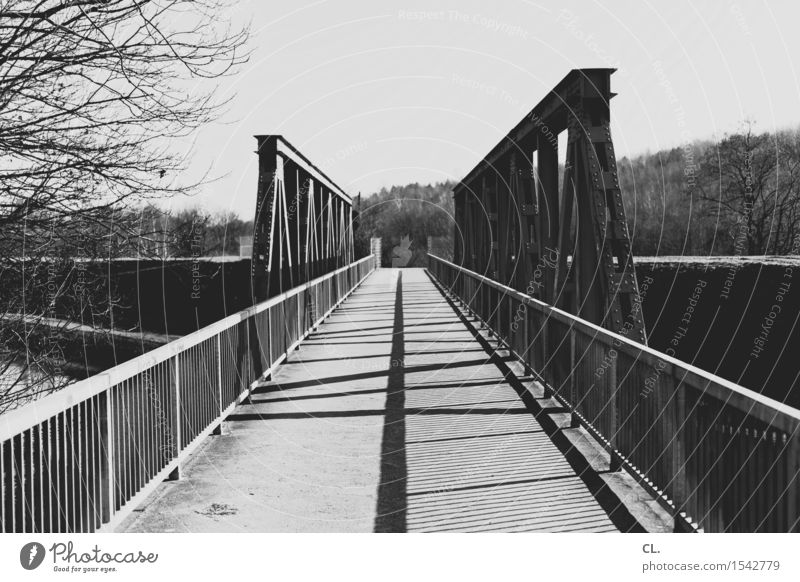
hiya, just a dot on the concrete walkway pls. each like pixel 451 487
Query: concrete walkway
pixel 391 417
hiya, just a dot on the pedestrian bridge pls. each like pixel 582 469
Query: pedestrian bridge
pixel 396 414
pixel 354 398
pixel 417 400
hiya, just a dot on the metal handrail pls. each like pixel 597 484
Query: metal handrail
pixel 81 458
pixel 719 455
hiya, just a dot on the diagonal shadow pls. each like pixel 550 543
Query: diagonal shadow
pixel 616 510
pixel 428 411
pixel 392 501
pixel 374 373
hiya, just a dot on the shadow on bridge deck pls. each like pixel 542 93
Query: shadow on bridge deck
pixel 391 417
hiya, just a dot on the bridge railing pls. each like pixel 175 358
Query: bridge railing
pixel 719 456
pixel 82 458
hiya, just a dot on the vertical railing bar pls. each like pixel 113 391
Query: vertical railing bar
pixel 133 448
pixel 793 476
pixel 74 424
pixel 27 462
pixel 147 425
pixel 31 484
pixel 573 385
pixel 55 477
pixel 128 432
pixel 118 409
pixel 178 422
pixel 138 435
pixel 12 484
pixel 75 443
pixel 87 467
pixel 616 462
pixel 69 470
pixel 92 455
pixel 156 412
pixel 89 455
pixel 161 426
pixel 83 466
pixel 23 483
pixel 108 479
pixel 3 515
pixel 125 427
pixel 219 372
pixel 48 458
pixel 40 481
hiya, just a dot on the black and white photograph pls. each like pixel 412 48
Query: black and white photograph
pixel 339 267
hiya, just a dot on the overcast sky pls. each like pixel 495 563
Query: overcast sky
pixel 382 93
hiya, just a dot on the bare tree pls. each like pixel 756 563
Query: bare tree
pixel 94 95
pixel 750 183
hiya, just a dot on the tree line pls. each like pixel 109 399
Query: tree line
pixel 737 196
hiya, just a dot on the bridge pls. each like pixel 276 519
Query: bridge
pixel 510 389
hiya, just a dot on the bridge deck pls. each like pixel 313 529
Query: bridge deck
pixel 391 417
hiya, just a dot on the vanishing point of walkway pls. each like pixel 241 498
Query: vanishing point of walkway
pixel 390 417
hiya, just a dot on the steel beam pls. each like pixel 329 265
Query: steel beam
pixel 569 248
pixel 303 221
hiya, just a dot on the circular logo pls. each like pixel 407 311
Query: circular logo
pixel 31 555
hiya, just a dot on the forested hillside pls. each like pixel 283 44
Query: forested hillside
pixel 738 196
pixel 414 210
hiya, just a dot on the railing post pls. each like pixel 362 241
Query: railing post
pixel 675 422
pixel 573 388
pixel 793 481
pixel 680 420
pixel 218 429
pixel 107 473
pixel 176 472
pixel 544 371
pixel 509 321
pixel 528 359
pixel 547 373
pixel 616 461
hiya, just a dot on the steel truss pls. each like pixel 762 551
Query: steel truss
pixel 303 225
pixel 571 248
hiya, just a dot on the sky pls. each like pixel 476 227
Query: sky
pixel 394 92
